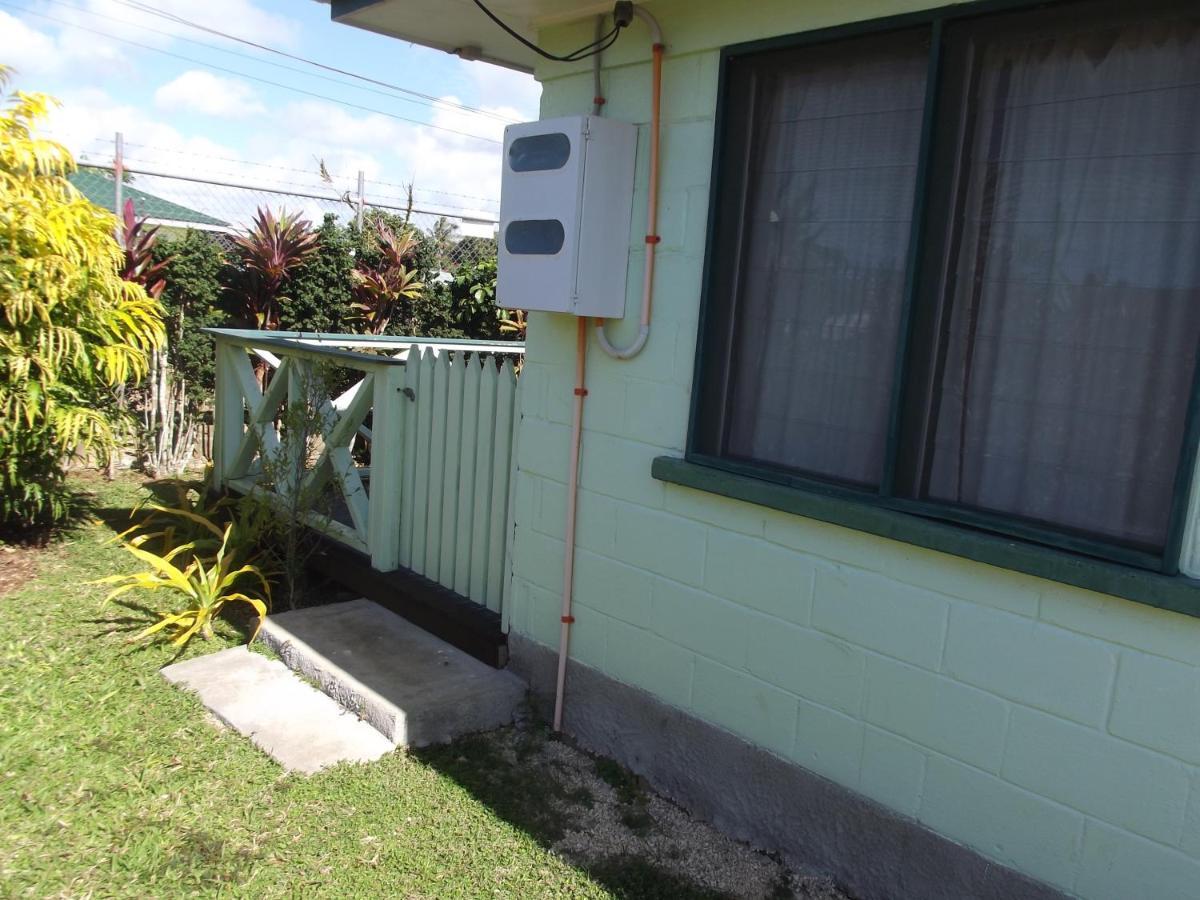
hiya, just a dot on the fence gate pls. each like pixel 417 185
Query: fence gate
pixel 436 497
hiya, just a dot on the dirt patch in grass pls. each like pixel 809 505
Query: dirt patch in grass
pixel 605 820
pixel 18 567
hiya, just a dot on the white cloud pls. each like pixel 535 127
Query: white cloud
pixel 40 52
pixel 90 40
pixel 500 87
pixel 211 95
pixel 27 50
pixel 92 113
pixel 450 172
pixel 454 174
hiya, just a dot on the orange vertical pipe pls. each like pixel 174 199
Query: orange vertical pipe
pixel 572 500
pixel 633 349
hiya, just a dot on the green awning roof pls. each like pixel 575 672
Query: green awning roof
pixel 98 188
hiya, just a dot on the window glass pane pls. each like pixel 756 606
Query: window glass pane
pixel 820 279
pixel 539 152
pixel 1074 277
pixel 534 237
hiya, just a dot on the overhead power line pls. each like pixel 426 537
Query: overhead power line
pixel 305 193
pixel 395 92
pixel 172 17
pixel 234 161
pixel 216 68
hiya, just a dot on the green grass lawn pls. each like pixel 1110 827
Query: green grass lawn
pixel 113 783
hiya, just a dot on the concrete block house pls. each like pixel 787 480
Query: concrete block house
pixel 885 542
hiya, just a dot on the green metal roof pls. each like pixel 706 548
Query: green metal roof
pixel 98 188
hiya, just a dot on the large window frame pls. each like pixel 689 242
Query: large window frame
pixel 1007 541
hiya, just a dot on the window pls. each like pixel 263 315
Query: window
pixel 955 270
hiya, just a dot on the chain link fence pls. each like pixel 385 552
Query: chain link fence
pixel 224 204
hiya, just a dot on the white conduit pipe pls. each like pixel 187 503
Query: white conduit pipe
pixel 597 90
pixel 564 640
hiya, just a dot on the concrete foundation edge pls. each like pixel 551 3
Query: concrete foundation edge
pixel 755 796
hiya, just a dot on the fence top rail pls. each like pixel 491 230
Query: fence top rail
pixel 340 347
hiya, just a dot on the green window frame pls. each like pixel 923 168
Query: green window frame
pixel 1047 551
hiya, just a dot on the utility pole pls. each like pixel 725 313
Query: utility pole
pixel 362 198
pixel 119 178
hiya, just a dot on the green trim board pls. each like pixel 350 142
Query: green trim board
pixel 1176 593
pixel 99 188
pixel 705 438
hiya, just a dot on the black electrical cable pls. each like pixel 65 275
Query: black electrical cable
pixel 608 42
pixel 597 46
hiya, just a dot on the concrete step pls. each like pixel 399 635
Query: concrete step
pixel 414 688
pixel 303 729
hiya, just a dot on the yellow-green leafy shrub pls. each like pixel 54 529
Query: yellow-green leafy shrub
pixel 70 327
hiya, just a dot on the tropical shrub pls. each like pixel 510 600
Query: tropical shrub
pixel 318 296
pixel 71 328
pixel 270 251
pixel 201 550
pixel 203 585
pixel 514 324
pixel 473 296
pixel 195 269
pixel 168 430
pixel 382 289
pixel 184 511
pixel 138 242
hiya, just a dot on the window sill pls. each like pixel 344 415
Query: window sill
pixel 1171 592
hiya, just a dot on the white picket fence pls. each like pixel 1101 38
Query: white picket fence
pixel 456 472
pixel 436 497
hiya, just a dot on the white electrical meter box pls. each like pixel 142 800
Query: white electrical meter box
pixel 566 195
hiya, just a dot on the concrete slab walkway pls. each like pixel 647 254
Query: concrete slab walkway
pixel 302 728
pixel 413 687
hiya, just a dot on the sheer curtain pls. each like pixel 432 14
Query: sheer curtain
pixel 1074 283
pixel 835 144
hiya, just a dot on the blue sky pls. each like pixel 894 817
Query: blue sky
pixel 187 116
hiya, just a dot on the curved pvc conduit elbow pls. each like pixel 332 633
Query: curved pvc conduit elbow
pixel 629 352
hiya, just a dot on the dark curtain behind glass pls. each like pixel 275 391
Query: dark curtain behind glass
pixel 834 151
pixel 1075 295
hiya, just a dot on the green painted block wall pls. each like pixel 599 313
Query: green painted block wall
pixel 1054 730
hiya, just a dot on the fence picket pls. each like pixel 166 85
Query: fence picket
pixel 421 499
pixel 502 444
pixel 229 413
pixel 450 483
pixel 480 520
pixel 437 465
pixel 466 475
pixel 510 517
pixel 412 373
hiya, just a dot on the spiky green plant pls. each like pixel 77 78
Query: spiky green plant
pixel 203 584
